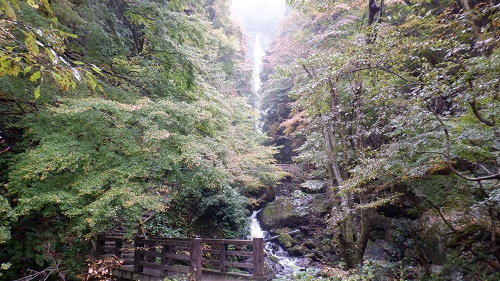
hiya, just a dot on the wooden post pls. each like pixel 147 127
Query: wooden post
pixel 195 260
pixel 223 248
pixel 258 257
pixel 163 261
pixel 169 249
pixel 99 245
pixel 137 255
pixel 137 262
pixel 118 246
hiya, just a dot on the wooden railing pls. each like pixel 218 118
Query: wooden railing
pixel 291 169
pixel 225 254
pixel 109 245
pixel 161 257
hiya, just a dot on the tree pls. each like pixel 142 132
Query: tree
pixel 332 96
pixel 391 103
pixel 158 126
pixel 39 52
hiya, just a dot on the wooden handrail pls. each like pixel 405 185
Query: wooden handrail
pixel 158 255
pixel 292 169
pixel 103 248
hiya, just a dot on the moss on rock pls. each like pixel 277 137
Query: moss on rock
pixel 299 250
pixel 291 211
pixel 286 241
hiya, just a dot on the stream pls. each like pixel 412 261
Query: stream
pixel 287 265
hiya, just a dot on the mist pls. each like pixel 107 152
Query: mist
pixel 259 17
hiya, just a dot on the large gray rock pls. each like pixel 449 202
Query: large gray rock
pixel 293 210
pixel 313 186
pixel 376 250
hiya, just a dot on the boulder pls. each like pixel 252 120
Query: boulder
pixel 286 240
pixel 309 244
pixel 292 211
pixel 313 186
pixel 298 250
pixel 375 250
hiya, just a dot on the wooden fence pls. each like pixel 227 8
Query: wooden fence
pixel 161 257
pixel 290 168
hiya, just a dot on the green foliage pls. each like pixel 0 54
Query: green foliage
pixel 213 213
pixel 34 48
pixel 139 113
pixel 79 161
pixel 410 100
pixel 6 212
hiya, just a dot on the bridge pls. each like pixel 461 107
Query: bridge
pixel 157 258
pixel 292 169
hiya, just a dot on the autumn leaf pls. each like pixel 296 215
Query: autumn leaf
pixel 37 92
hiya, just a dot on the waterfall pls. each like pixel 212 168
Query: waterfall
pixel 255 229
pixel 258 54
pixel 287 265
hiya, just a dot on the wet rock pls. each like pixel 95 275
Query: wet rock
pixel 291 211
pixel 313 186
pixel 306 262
pixel 309 244
pixel 311 256
pixel 274 259
pixel 271 267
pixel 298 250
pixel 286 240
pixel 318 255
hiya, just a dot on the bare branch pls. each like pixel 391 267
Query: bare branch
pixel 475 109
pixel 309 74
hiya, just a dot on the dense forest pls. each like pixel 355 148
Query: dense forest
pixel 395 103
pixel 132 116
pixel 116 109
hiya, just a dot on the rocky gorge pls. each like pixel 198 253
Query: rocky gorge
pixel 297 218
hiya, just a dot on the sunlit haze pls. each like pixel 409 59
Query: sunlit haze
pixel 259 16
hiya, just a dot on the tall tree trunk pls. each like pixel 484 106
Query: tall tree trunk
pixel 373 9
pixel 352 226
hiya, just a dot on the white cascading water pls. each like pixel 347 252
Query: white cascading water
pixel 288 265
pixel 258 54
pixel 255 229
